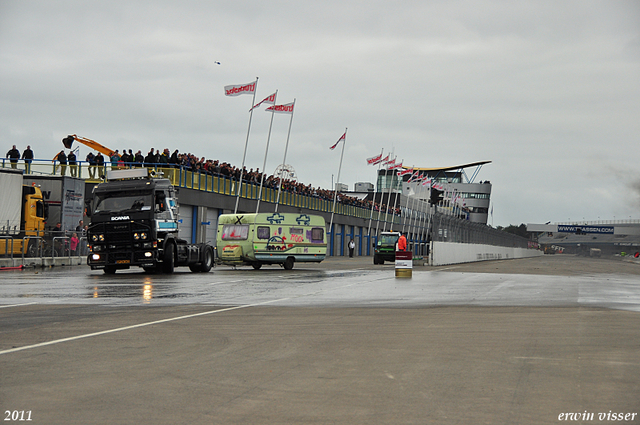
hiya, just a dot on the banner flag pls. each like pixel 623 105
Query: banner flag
pixel 395 166
pixel 281 109
pixel 271 99
pixel 248 88
pixel 341 139
pixel 405 171
pixel 385 159
pixel 414 176
pixel 374 160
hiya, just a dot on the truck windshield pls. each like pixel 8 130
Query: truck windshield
pixel 388 239
pixel 118 202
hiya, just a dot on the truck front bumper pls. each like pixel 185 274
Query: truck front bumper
pixel 122 260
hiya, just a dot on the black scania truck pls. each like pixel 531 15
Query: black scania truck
pixel 134 222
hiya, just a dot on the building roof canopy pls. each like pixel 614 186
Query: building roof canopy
pixel 455 167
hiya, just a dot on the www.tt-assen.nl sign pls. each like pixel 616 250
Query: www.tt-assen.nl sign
pixel 586 229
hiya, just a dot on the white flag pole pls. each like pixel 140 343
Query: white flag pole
pixel 409 209
pixel 386 211
pixel 373 202
pixel 284 160
pixel 266 151
pixel 395 201
pixel 335 190
pixel 381 197
pixel 246 143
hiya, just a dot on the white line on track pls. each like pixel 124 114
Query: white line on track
pixel 17 305
pixel 139 325
pixel 156 322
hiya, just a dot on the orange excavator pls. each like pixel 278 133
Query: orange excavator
pixel 68 142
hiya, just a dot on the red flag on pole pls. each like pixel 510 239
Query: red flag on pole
pixel 271 99
pixel 374 160
pixel 248 88
pixel 281 109
pixel 341 139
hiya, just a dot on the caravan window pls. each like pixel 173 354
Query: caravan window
pixel 317 234
pixel 263 232
pixel 234 232
pixel 296 231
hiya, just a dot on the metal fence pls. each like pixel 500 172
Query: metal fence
pixel 447 228
pixel 43 248
pixel 439 225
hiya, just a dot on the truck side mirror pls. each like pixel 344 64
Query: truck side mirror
pixel 160 201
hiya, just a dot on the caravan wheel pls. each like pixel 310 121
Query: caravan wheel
pixel 288 263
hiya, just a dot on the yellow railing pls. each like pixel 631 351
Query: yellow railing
pixel 184 178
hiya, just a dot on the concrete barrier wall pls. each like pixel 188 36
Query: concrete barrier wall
pixel 453 253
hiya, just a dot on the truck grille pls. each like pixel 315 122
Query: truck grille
pixel 120 233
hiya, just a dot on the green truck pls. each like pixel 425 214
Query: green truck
pixel 385 247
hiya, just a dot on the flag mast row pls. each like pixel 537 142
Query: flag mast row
pixel 250 88
pixel 342 139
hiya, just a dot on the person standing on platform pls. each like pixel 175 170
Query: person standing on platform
pixel 61 157
pixel 100 165
pixel 352 247
pixel 91 159
pixel 71 159
pixel 14 156
pixel 27 155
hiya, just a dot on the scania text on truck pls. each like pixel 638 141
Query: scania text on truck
pixel 134 222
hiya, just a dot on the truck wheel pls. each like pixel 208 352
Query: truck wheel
pixel 207 260
pixel 288 263
pixel 167 260
pixel 109 270
pixel 33 249
pixel 256 265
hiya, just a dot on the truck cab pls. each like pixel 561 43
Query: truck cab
pixel 134 222
pixel 385 247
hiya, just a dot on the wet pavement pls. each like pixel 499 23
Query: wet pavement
pixel 344 341
pixel 341 282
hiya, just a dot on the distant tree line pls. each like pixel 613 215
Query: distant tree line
pixel 520 230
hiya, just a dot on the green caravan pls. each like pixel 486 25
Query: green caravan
pixel 271 238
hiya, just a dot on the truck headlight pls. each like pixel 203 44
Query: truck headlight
pixel 144 235
pixel 136 236
pixel 95 257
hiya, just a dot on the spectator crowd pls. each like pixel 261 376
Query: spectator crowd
pixel 165 159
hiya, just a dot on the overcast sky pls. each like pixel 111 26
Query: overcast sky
pixel 549 91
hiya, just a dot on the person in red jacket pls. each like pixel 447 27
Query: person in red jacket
pixel 402 243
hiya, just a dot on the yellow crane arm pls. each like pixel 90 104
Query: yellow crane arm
pixel 68 141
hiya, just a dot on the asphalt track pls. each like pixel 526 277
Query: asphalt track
pixel 505 342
